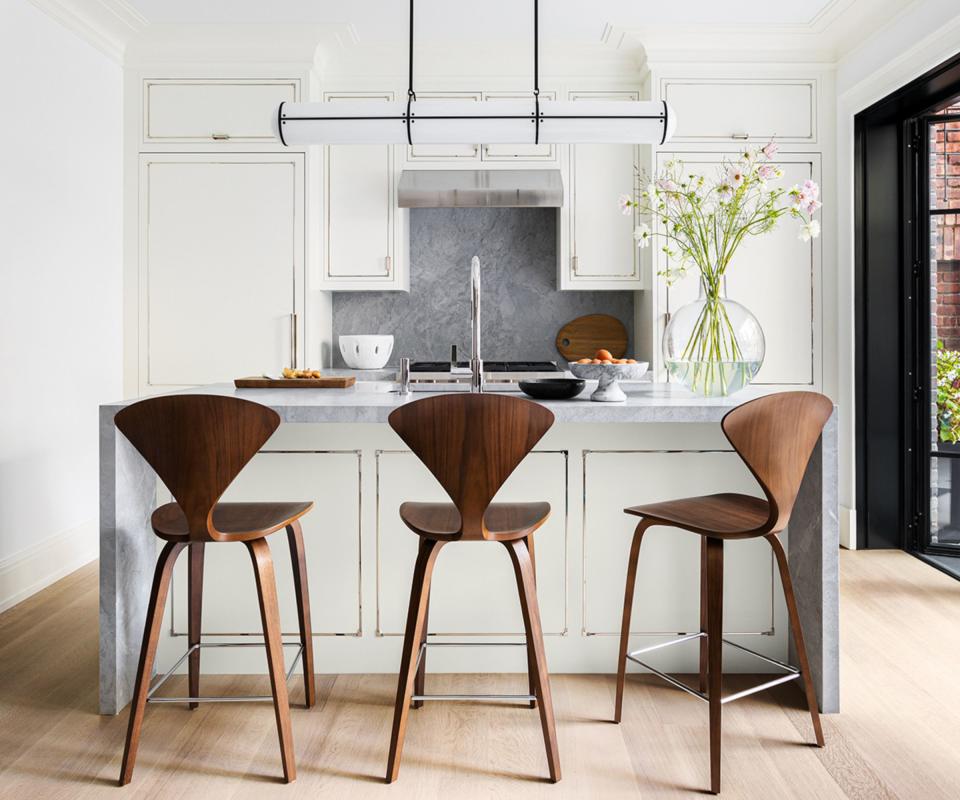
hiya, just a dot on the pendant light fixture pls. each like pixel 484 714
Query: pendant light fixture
pixel 532 121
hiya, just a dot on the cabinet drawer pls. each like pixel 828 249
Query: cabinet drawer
pixel 743 110
pixel 445 152
pixel 213 110
pixel 519 152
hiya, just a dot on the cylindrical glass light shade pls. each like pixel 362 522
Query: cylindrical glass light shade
pixel 469 122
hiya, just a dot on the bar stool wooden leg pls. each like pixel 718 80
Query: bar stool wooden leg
pixel 194 611
pixel 416 617
pixel 531 655
pixel 531 621
pixel 420 682
pixel 270 613
pixel 715 652
pixel 627 613
pixel 704 650
pixel 148 650
pixel 797 630
pixel 299 561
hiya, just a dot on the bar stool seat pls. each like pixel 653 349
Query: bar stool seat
pixel 723 516
pixel 237 522
pixel 502 522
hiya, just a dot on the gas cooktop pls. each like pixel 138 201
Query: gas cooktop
pixel 488 366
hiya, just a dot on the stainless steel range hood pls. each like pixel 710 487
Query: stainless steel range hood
pixel 475 188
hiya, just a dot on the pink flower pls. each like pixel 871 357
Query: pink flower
pixel 811 206
pixel 666 185
pixel 811 190
pixel 626 205
pixel 770 149
pixel 766 171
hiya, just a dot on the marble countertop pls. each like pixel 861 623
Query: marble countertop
pixel 372 402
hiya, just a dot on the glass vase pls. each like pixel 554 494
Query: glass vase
pixel 714 346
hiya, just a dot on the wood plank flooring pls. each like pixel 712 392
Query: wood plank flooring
pixel 897 735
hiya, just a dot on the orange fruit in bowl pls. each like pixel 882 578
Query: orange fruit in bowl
pixel 604 355
pixel 584 361
pixel 596 361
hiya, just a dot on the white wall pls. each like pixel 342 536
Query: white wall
pixel 925 34
pixel 60 291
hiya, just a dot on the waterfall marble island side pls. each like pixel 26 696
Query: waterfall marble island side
pixel 334 447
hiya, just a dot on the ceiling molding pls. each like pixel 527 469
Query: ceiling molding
pixel 108 25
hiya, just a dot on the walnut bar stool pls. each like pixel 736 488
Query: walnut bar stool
pixel 775 436
pixel 197 445
pixel 472 443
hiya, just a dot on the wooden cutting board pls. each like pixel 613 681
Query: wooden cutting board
pixel 330 382
pixel 582 337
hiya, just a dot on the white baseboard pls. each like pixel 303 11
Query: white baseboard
pixel 27 572
pixel 848 528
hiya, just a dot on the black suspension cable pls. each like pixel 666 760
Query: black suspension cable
pixel 411 95
pixel 536 70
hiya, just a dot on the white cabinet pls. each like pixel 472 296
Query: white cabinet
pixel 331 533
pixel 364 232
pixel 743 109
pixel 474 589
pixel 667 588
pixel 221 266
pixel 212 110
pixel 776 276
pixel 600 251
pixel 445 152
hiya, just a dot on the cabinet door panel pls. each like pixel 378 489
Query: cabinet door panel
pixel 331 541
pixel 667 589
pixel 221 257
pixel 519 152
pixel 602 248
pixel 359 203
pixel 775 276
pixel 445 152
pixel 474 589
pixel 199 111
pixel 757 110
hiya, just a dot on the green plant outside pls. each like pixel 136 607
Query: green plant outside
pixel 948 394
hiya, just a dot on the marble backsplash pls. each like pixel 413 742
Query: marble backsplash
pixel 521 310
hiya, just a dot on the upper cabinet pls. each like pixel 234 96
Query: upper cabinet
pixel 213 110
pixel 519 152
pixel 445 152
pixel 597 246
pixel 364 232
pixel 742 109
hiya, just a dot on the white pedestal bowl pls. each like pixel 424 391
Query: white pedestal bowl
pixel 608 389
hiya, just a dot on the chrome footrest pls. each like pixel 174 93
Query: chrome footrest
pixel 792 672
pixel 226 699
pixel 526 698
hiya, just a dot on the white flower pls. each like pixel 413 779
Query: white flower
pixel 642 235
pixel 810 231
pixel 626 205
pixel 725 190
pixel 736 176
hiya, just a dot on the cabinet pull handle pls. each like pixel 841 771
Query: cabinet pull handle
pixel 575 263
pixel 388 263
pixel 293 340
pixel 742 137
pixel 220 137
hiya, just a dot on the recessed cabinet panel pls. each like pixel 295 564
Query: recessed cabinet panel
pixel 221 257
pixel 667 596
pixel 474 588
pixel 519 152
pixel 743 109
pixel 213 110
pixel 360 211
pixel 776 276
pixel 445 152
pixel 602 249
pixel 331 533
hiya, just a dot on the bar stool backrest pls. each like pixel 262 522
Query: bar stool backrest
pixel 775 436
pixel 471 443
pixel 197 445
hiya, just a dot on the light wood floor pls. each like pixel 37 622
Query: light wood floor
pixel 898 735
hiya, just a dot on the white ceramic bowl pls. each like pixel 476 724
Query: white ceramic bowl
pixel 608 389
pixel 366 351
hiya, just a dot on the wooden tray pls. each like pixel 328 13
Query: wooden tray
pixel 329 382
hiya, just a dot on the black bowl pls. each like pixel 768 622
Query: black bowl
pixel 553 388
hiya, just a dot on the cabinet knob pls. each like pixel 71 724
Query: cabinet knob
pixel 220 137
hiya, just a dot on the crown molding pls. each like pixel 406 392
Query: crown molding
pixel 108 25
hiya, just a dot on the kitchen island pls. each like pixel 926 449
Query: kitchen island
pixel 335 448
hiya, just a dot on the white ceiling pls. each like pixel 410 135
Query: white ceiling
pixel 567 20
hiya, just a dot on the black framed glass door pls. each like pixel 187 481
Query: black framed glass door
pixel 940 208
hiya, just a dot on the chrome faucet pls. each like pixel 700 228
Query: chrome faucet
pixel 476 363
